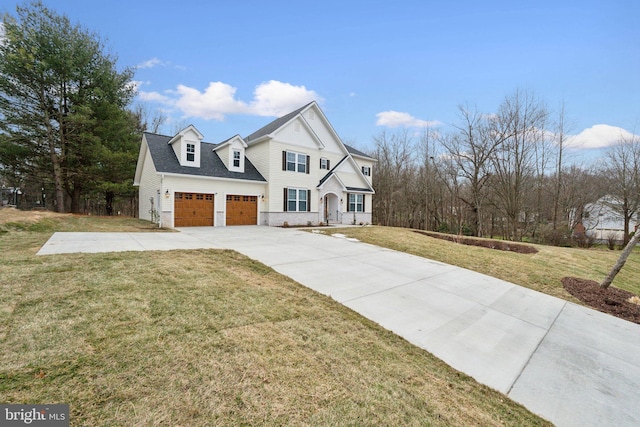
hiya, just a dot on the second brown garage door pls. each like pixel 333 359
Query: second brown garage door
pixel 193 210
pixel 242 210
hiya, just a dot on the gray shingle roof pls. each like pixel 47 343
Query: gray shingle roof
pixel 211 165
pixel 356 152
pixel 274 125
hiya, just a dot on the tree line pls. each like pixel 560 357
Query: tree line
pixel 503 175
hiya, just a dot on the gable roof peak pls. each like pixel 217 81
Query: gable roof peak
pixel 277 123
pixel 184 131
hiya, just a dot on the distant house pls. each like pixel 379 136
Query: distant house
pixel 603 221
pixel 294 170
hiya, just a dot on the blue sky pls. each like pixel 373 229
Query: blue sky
pixel 231 67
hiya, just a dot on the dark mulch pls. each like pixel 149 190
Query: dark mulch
pixel 611 300
pixel 500 245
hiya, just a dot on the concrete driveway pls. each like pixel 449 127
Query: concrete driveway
pixel 572 365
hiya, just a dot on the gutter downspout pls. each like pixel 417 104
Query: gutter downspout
pixel 160 200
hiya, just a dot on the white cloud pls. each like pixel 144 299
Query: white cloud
pixel 599 136
pixel 275 98
pixel 212 104
pixel 272 98
pixel 155 97
pixel 395 119
pixel 150 63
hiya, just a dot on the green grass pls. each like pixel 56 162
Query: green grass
pixel 209 337
pixel 541 272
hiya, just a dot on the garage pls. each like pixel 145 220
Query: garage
pixel 242 210
pixel 193 210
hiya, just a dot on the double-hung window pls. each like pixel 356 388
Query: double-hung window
pixel 295 162
pixel 356 203
pixel 236 158
pixel 324 163
pixel 191 153
pixel 297 200
pixel 366 170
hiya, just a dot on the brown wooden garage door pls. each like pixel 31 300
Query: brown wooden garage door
pixel 242 210
pixel 193 210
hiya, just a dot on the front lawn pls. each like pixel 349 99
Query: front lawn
pixel 208 337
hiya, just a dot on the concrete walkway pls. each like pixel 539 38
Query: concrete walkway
pixel 572 365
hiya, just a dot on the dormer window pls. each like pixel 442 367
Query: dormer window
pixel 236 158
pixel 191 153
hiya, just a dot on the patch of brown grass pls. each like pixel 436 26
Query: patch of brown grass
pixel 211 337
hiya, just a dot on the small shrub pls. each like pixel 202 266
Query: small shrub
pixel 285 224
pixel 611 241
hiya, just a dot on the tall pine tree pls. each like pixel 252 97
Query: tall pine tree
pixel 63 106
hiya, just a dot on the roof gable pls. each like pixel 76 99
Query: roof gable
pixel 231 141
pixel 275 125
pixel 188 131
pixel 346 172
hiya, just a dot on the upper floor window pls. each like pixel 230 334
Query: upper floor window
pixel 324 163
pixel 191 153
pixel 296 162
pixel 366 170
pixel 236 158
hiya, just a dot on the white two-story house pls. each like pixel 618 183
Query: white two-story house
pixel 295 171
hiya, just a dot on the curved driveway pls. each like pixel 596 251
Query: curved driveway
pixel 568 363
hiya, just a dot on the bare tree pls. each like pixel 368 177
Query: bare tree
pixel 518 122
pixel 470 150
pixel 395 154
pixel 430 188
pixel 150 121
pixel 622 164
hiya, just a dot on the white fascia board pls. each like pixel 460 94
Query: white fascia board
pixel 230 141
pixel 213 178
pixel 261 139
pixel 144 148
pixel 180 134
pixel 363 157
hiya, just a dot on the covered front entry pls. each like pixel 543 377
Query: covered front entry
pixel 331 212
pixel 193 210
pixel 242 210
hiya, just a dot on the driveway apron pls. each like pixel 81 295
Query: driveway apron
pixel 572 365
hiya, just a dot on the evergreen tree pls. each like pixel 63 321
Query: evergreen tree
pixel 62 105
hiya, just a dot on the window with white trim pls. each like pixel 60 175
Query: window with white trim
pixel 296 162
pixel 324 163
pixel 356 203
pixel 366 170
pixel 236 158
pixel 297 200
pixel 191 153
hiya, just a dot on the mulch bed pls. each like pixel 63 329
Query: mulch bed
pixel 500 245
pixel 611 300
